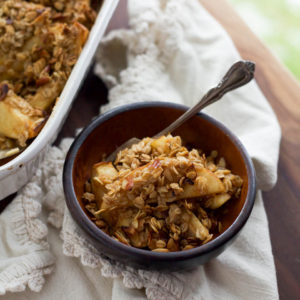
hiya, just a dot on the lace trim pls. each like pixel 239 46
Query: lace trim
pixel 30 232
pixel 23 213
pixel 156 284
pixel 76 246
pixel 53 189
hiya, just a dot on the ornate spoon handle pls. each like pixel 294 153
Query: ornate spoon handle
pixel 238 75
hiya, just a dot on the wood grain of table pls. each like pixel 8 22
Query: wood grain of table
pixel 283 92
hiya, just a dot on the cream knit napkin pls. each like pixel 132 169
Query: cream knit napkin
pixel 174 51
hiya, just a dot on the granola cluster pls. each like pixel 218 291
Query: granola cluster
pixel 40 41
pixel 158 195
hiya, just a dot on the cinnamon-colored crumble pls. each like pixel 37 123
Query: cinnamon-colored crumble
pixel 158 195
pixel 40 41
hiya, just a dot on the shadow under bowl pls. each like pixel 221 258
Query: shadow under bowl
pixel 113 128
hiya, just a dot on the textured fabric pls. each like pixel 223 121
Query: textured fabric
pixel 174 51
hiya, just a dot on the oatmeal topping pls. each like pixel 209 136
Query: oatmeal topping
pixel 158 195
pixel 40 42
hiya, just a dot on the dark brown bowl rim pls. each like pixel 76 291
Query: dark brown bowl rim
pixel 91 229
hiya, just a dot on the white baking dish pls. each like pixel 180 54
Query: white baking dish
pixel 17 172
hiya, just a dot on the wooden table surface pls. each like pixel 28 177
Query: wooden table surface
pixel 283 92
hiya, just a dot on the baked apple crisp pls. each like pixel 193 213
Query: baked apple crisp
pixel 158 195
pixel 40 41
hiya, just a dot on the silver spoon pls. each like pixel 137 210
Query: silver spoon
pixel 238 75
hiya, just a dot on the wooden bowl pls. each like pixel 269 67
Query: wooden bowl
pixel 140 120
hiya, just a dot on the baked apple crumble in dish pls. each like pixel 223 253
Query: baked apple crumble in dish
pixel 40 42
pixel 161 196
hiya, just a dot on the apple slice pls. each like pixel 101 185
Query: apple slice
pixel 217 200
pixel 147 174
pixel 161 144
pixel 195 227
pixel 211 185
pixel 102 173
pixel 19 120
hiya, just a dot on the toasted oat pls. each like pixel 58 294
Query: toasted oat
pixel 88 196
pixel 160 250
